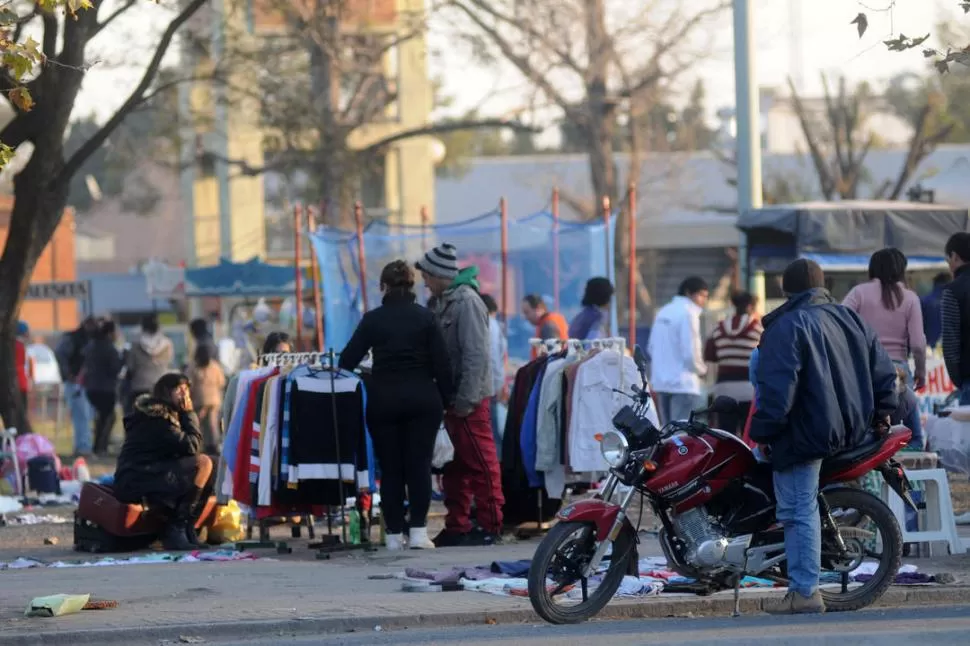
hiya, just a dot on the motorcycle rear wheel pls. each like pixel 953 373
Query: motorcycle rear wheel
pixel 549 553
pixel 891 554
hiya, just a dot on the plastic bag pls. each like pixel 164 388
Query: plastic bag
pixel 227 526
pixel 444 451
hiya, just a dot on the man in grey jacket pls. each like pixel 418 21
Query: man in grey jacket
pixel 473 474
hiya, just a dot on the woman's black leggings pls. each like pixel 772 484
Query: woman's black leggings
pixel 104 419
pixel 403 426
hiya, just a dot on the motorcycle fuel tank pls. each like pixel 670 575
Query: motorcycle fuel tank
pixel 693 469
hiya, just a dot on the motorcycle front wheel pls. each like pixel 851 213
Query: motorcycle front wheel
pixel 558 591
pixel 874 548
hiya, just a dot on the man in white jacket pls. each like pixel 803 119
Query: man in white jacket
pixel 676 352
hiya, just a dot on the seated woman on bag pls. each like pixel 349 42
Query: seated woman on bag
pixel 411 386
pixel 162 462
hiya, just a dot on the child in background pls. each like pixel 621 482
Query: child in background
pixel 207 383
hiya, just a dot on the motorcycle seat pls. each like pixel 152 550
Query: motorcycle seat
pixel 841 461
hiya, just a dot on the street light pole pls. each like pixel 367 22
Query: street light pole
pixel 747 118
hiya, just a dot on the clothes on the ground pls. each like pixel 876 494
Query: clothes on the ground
pixel 150 357
pixel 675 348
pixel 499 347
pixel 932 316
pixel 588 324
pixel 158 459
pixel 81 414
pixel 823 379
pixel 796 491
pixel 900 330
pixel 464 323
pixel 730 347
pixel 955 332
pixel 473 474
pixel 675 407
pixel 410 386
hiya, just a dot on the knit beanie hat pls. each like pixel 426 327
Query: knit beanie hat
pixel 440 262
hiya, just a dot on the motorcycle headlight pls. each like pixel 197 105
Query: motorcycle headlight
pixel 615 448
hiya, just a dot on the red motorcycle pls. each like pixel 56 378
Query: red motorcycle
pixel 716 504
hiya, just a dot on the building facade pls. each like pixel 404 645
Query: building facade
pixel 238 213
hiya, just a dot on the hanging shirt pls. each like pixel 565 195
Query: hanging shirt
pixel 528 437
pixel 550 407
pixel 233 429
pixel 270 440
pixel 594 405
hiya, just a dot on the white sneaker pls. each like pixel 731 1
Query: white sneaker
pixel 394 542
pixel 418 539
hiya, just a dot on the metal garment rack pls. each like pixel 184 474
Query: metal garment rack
pixel 553 346
pixel 324 361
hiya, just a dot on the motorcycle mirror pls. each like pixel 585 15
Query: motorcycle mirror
pixel 640 358
pixel 724 405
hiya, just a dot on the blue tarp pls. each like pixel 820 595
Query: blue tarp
pixel 251 278
pixel 854 262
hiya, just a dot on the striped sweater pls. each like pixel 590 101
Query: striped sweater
pixel 731 345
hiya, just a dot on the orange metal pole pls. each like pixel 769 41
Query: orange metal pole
pixel 361 255
pixel 504 215
pixel 424 228
pixel 555 248
pixel 315 283
pixel 297 261
pixel 633 268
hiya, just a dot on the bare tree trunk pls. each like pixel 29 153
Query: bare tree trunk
pixel 37 211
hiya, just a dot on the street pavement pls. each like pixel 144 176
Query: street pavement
pixel 899 627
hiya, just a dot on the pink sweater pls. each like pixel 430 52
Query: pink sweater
pixel 900 330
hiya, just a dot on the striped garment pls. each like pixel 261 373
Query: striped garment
pixel 731 345
pixel 952 336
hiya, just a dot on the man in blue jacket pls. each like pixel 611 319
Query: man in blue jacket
pixel 823 379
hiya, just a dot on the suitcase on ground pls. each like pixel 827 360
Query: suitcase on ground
pixel 91 537
pixel 42 475
pixel 99 505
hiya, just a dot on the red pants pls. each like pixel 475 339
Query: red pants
pixel 473 473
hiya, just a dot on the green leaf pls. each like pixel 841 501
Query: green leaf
pixel 861 23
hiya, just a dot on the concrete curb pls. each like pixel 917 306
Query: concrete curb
pixel 656 608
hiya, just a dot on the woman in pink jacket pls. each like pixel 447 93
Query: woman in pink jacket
pixel 894 312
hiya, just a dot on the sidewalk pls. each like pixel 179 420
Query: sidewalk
pixel 295 595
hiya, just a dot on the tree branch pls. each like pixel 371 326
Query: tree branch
pixel 818 159
pixel 112 16
pixel 446 127
pixel 921 145
pixel 521 63
pixel 49 45
pixel 137 95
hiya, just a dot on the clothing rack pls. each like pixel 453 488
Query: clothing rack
pixel 326 361
pixel 552 346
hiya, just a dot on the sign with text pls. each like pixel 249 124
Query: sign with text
pixel 80 289
pixel 938 385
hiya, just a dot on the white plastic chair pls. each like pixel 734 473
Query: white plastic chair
pixel 939 520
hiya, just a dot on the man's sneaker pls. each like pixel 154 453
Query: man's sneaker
pixel 794 603
pixel 479 537
pixel 446 538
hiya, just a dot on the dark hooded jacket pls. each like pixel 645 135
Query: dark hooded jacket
pixel 158 438
pixel 822 379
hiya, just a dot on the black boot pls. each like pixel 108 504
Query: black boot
pixel 174 537
pixel 192 537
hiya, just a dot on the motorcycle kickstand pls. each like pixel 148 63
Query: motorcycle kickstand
pixel 737 589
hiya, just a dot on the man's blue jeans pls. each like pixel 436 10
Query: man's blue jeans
pixel 80 408
pixel 678 406
pixel 796 491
